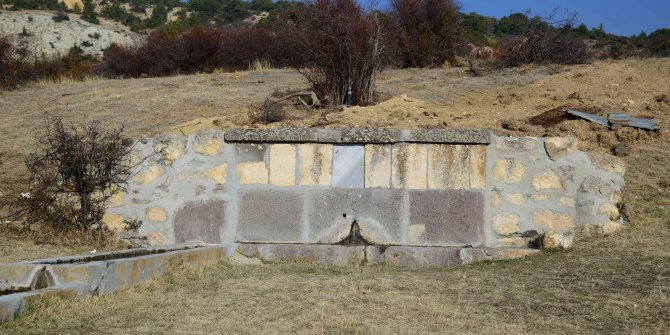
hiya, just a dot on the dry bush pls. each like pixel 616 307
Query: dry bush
pixel 543 44
pixel 428 31
pixel 200 49
pixel 341 46
pixel 18 66
pixel 268 112
pixel 73 172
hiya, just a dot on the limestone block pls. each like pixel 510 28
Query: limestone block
pixel 596 186
pixel 316 164
pixel 414 233
pixel 155 238
pixel 505 223
pixel 252 173
pixel 557 240
pixel 209 142
pixel 270 215
pixel 538 197
pixel 116 200
pixel 477 166
pixel 282 164
pixel 148 174
pixel 608 163
pixel 568 202
pixel 172 147
pixel 410 165
pixel 218 174
pixel 560 146
pixel 377 166
pixel 553 221
pixel 199 220
pixel 609 209
pixel 547 179
pixel 509 171
pixel 448 166
pixel 516 198
pixel 113 222
pixel 449 217
pixel 516 143
pixel 496 199
pixel 155 214
pixel 348 166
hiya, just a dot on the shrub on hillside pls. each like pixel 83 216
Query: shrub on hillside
pixel 18 66
pixel 73 172
pixel 543 44
pixel 428 30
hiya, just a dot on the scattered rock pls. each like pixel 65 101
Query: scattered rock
pixel 557 240
pixel 560 146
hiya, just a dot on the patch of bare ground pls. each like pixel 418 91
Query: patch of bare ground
pixel 616 284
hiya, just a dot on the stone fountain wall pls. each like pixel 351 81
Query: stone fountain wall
pixel 443 188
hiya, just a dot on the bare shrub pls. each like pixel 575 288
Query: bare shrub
pixel 341 46
pixel 73 172
pixel 267 112
pixel 428 31
pixel 542 43
pixel 60 16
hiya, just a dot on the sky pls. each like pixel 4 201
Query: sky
pixel 619 17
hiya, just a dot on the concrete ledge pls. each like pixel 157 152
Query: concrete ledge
pixel 407 256
pixel 14 304
pixel 358 135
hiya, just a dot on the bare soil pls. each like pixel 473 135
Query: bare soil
pixel 615 284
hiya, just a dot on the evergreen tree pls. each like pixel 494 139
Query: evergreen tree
pixel 88 14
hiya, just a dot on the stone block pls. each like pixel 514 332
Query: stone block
pixel 547 179
pixel 116 200
pixel 568 202
pixel 557 240
pixel 610 210
pixel 155 214
pixel 560 146
pixel 538 197
pixel 505 223
pixel 409 166
pixel 199 220
pixel 317 254
pixel 250 152
pixel 315 164
pixel 377 166
pixel 516 198
pixel 377 211
pixel 515 241
pixel 448 217
pixel 477 167
pixel 217 174
pixel 414 256
pixel 171 147
pixel 516 144
pixel 253 173
pixel 113 222
pixel 148 174
pixel 448 166
pixel 496 199
pixel 553 221
pixel 270 215
pixel 508 171
pixel 282 164
pixel 608 163
pixel 155 238
pixel 209 142
pixel 596 186
pixel 349 166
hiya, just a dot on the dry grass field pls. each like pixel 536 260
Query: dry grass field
pixel 617 284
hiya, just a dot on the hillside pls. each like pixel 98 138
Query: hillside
pixel 43 35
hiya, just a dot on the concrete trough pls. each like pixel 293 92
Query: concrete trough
pixel 81 276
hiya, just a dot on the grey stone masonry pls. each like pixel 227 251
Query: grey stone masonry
pixel 359 136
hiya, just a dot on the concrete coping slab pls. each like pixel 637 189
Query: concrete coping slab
pixel 358 135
